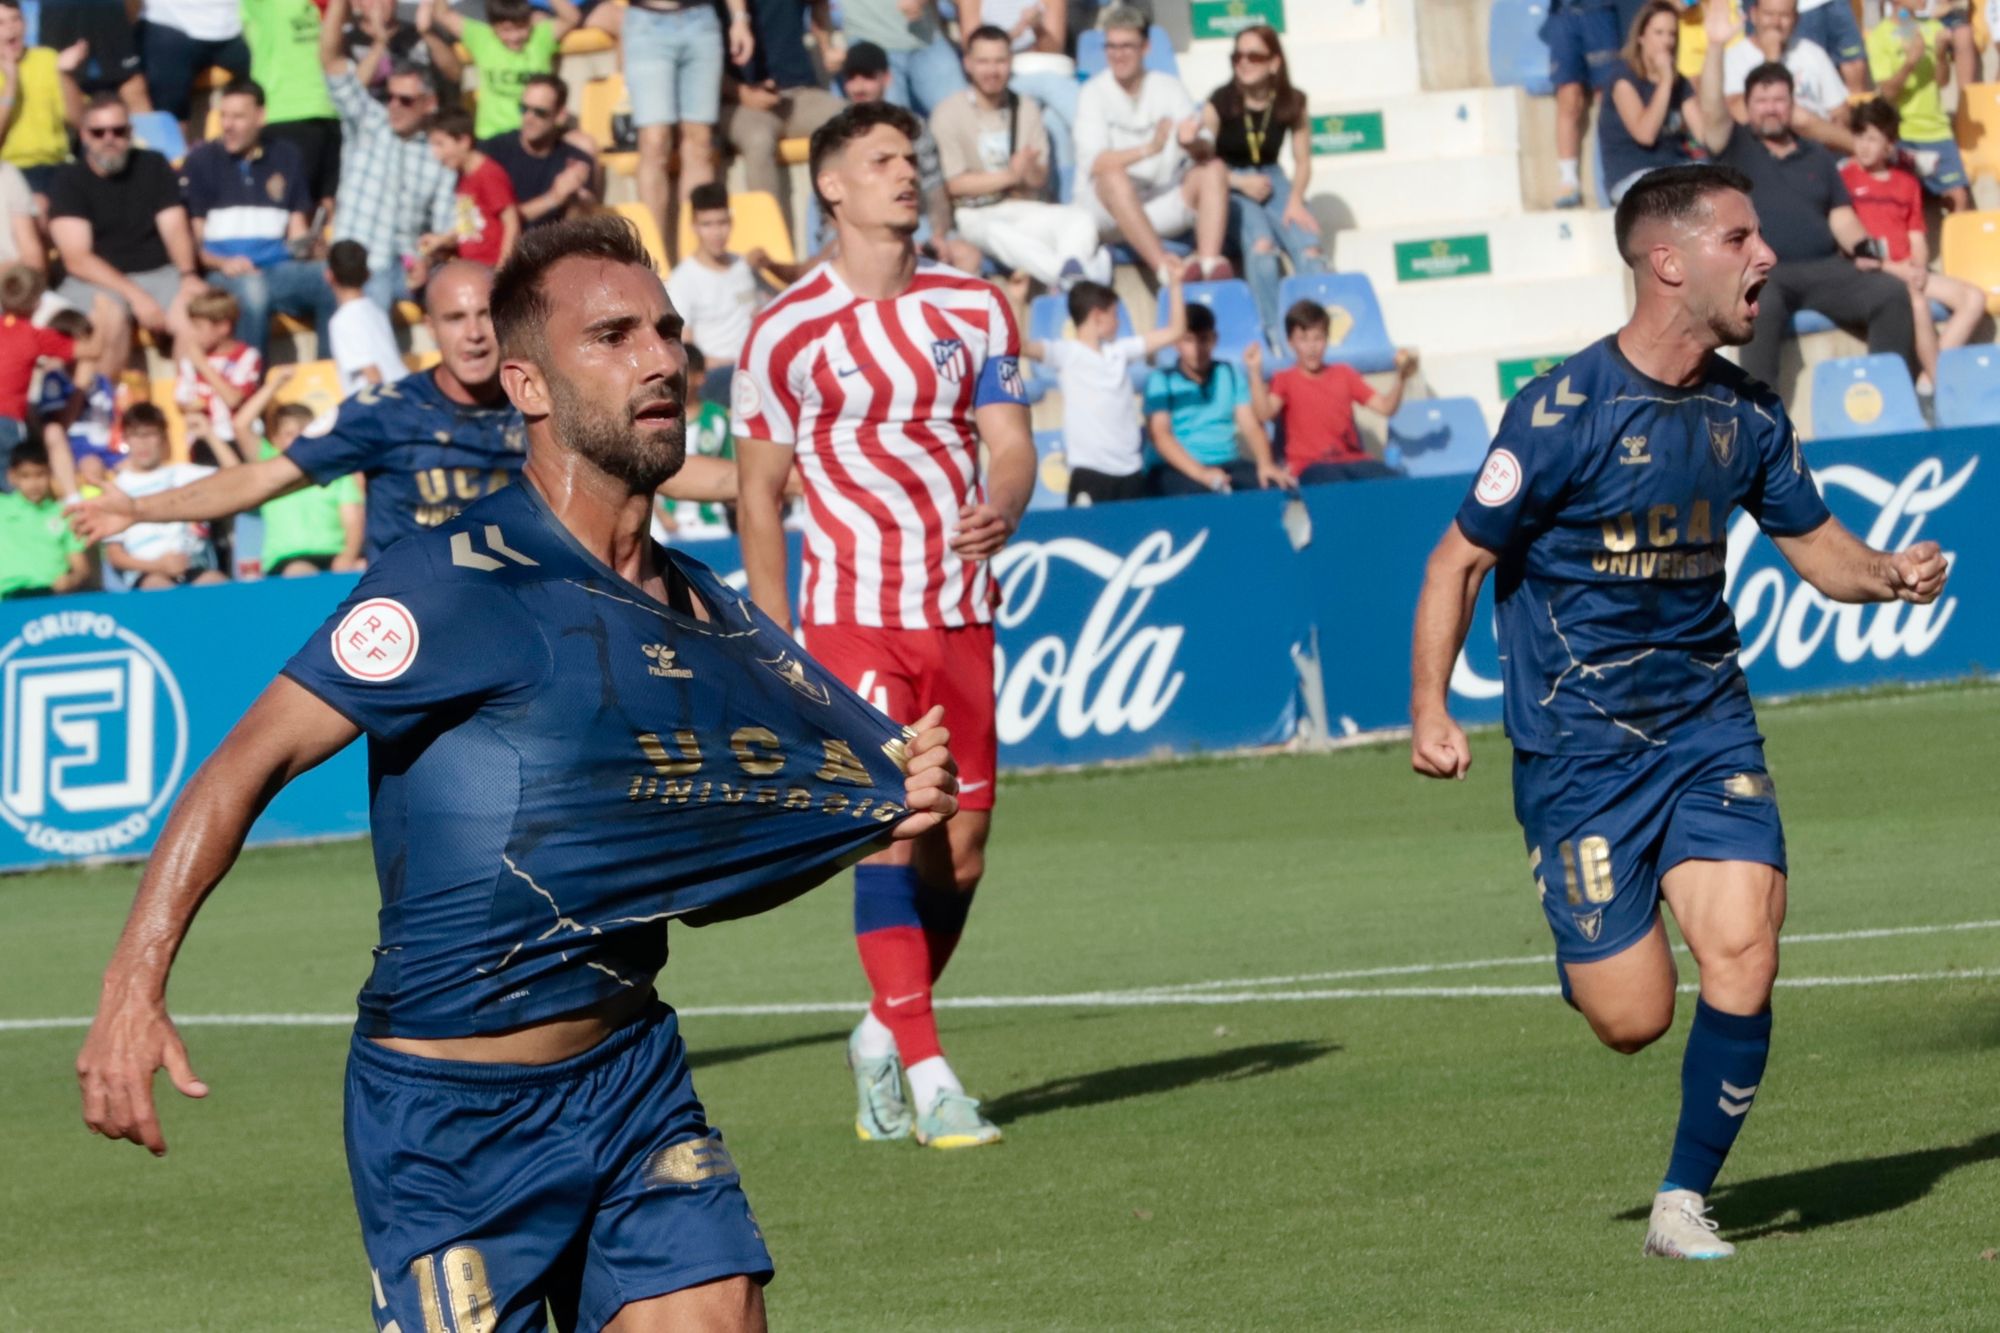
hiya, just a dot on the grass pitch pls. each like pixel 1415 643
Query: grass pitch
pixel 1343 1132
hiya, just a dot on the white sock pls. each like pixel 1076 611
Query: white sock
pixel 875 1041
pixel 1566 174
pixel 929 1080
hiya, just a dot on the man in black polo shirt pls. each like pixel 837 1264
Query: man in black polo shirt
pixel 777 95
pixel 1805 214
pixel 250 202
pixel 552 177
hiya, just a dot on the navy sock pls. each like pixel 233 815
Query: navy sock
pixel 1719 1077
pixel 885 897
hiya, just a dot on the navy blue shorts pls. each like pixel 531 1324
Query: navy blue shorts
pixel 488 1190
pixel 1603 828
pixel 1584 45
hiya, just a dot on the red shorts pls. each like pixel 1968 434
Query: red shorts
pixel 905 672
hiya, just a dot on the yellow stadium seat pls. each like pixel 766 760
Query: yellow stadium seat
pixel 314 383
pixel 1971 250
pixel 757 224
pixel 587 42
pixel 161 395
pixel 602 99
pixel 649 232
pixel 794 152
pixel 419 362
pixel 213 79
pixel 212 127
pixel 1978 129
pixel 408 313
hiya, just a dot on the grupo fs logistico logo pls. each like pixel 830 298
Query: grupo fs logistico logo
pixel 95 734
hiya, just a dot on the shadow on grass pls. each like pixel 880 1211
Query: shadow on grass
pixel 1824 1196
pixel 1156 1076
pixel 706 1057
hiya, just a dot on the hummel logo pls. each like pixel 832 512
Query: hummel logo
pixel 898 1001
pixel 660 662
pixel 1735 1108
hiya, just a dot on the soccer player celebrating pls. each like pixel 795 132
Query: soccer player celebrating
pixel 574 735
pixel 1639 770
pixel 879 375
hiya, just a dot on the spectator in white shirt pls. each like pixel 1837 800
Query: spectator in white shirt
pixel 1819 94
pixel 157 555
pixel 363 343
pixel 994 152
pixel 1146 169
pixel 717 293
pixel 1103 437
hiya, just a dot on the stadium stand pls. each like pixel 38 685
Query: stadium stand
pixel 1970 249
pixel 1051 472
pixel 1977 129
pixel 1438 437
pixel 649 232
pixel 1236 322
pixel 757 223
pixel 1357 335
pixel 1159 53
pixel 1048 321
pixel 1864 395
pixel 1968 387
pixel 597 104
pixel 1515 50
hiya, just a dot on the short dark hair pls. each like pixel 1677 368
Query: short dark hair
pixel 454 122
pixel 348 262
pixel 1200 320
pixel 987 32
pixel 1087 298
pixel 405 69
pixel 1305 315
pixel 100 101
pixel 549 81
pixel 69 323
pixel 245 88
pixel 298 412
pixel 1768 72
pixel 29 452
pixel 1878 114
pixel 520 305
pixel 853 122
pixel 1671 194
pixel 697 360
pixel 708 196
pixel 509 11
pixel 144 416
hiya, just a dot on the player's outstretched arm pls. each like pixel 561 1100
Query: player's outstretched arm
pixel 1841 566
pixel 230 491
pixel 762 468
pixel 287 731
pixel 930 785
pixel 704 480
pixel 1452 579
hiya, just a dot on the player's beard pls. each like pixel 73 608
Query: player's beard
pixel 612 439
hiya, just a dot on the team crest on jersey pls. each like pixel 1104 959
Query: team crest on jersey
pixel 1722 440
pixel 1011 382
pixel 789 669
pixel 952 359
pixel 1591 924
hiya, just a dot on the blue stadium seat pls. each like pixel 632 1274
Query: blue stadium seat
pixel 1515 51
pixel 1968 386
pixel 1159 52
pixel 159 131
pixel 1236 322
pixel 1048 320
pixel 1863 395
pixel 1437 437
pixel 1811 321
pixel 31 18
pixel 1051 472
pixel 1358 335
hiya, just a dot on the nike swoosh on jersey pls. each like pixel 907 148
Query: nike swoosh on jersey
pixel 898 1001
pixel 967 788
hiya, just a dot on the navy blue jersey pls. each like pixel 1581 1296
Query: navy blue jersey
pixel 1607 497
pixel 425 456
pixel 559 763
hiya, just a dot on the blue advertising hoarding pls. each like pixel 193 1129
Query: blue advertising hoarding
pixel 1152 628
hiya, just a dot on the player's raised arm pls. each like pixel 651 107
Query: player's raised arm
pixel 285 733
pixel 1452 579
pixel 1841 566
pixel 230 491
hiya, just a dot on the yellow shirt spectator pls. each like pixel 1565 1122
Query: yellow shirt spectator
pixel 38 136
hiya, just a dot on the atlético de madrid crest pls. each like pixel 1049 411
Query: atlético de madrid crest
pixel 951 358
pixel 1722 440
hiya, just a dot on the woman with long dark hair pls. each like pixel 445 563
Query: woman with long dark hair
pixel 1250 117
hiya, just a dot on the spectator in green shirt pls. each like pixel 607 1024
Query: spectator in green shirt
pixel 308 531
pixel 39 555
pixel 283 36
pixel 511 47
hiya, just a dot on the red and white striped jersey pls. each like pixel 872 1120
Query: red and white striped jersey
pixel 877 399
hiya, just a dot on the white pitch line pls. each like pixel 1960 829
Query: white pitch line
pixel 1077 1000
pixel 1524 960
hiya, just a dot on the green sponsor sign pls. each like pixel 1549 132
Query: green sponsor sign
pixel 1442 257
pixel 1513 374
pixel 1356 132
pixel 1226 18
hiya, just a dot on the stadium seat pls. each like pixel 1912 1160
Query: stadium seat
pixel 1437 437
pixel 758 224
pixel 161 395
pixel 314 383
pixel 641 217
pixel 1968 386
pixel 1048 321
pixel 1977 128
pixel 1357 336
pixel 407 313
pixel 1971 250
pixel 160 132
pixel 1236 322
pixel 1159 52
pixel 1863 395
pixel 1811 321
pixel 1051 472
pixel 418 362
pixel 600 101
pixel 1515 52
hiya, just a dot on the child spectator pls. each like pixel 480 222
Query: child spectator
pixel 488 220
pixel 22 347
pixel 157 555
pixel 1909 57
pixel 1198 415
pixel 309 531
pixel 717 293
pixel 38 553
pixel 76 411
pixel 217 371
pixel 363 343
pixel 511 47
pixel 1102 434
pixel 707 437
pixel 1890 204
pixel 1314 402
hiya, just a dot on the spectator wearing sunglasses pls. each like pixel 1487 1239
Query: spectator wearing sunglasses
pixel 118 222
pixel 553 178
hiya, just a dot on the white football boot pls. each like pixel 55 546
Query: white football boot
pixel 1682 1229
